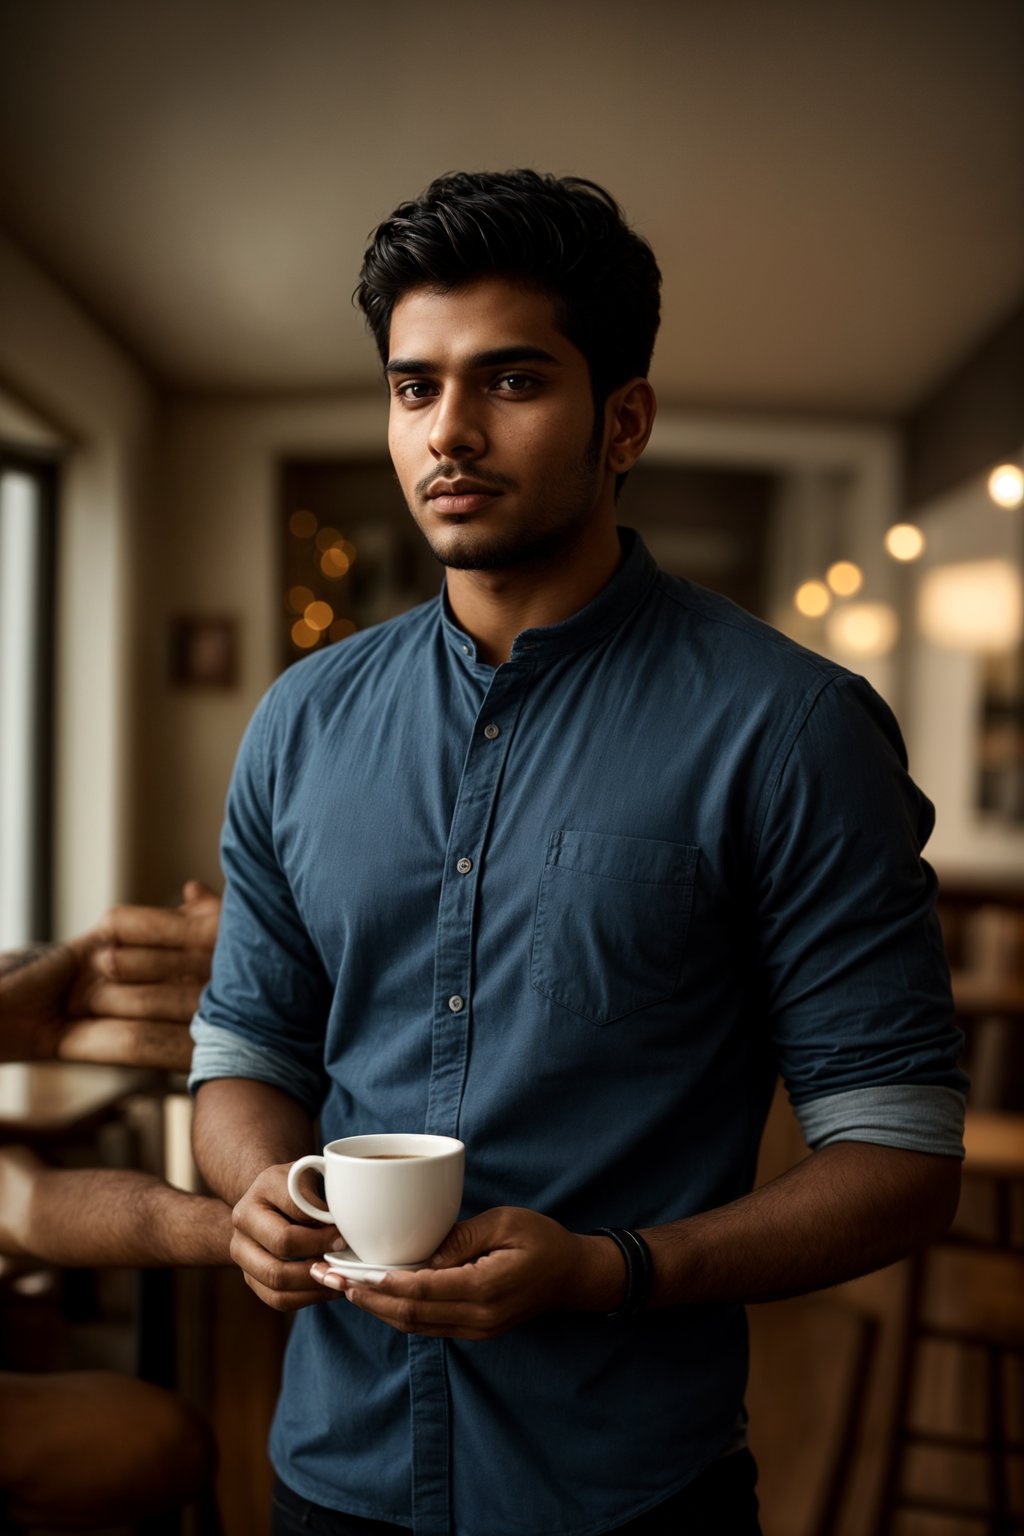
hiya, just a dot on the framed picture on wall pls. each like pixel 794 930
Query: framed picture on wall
pixel 204 652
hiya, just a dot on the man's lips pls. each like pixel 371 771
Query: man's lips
pixel 460 496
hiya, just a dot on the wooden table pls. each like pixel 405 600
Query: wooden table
pixel 42 1100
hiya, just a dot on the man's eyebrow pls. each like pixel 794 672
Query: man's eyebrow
pixel 496 357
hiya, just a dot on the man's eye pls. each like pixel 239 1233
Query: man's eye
pixel 516 383
pixel 415 389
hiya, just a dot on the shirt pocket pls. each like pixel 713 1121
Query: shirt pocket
pixel 612 916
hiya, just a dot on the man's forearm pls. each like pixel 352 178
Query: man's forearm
pixel 242 1127
pixel 101 1216
pixel 131 1219
pixel 844 1211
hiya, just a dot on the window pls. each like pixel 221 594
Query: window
pixel 27 498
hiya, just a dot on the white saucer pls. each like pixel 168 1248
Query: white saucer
pixel 346 1263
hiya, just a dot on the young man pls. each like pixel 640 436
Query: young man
pixel 568 864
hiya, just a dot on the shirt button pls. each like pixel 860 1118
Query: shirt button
pixel 456 1003
pixel 465 650
pixel 492 732
pixel 464 866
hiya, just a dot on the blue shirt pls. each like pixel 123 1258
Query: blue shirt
pixel 577 910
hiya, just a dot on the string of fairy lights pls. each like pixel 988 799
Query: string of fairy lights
pixel 317 620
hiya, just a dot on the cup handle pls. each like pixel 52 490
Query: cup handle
pixel 296 1169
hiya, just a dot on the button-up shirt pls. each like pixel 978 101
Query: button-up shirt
pixel 578 910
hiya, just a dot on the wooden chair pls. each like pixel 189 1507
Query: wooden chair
pixel 964 1306
pixel 956 1447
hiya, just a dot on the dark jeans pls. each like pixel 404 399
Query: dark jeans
pixel 722 1499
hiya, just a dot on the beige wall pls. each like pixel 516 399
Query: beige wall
pixel 58 364
pixel 210 549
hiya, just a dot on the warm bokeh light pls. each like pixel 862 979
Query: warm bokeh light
pixel 304 636
pixel 845 578
pixel 863 629
pixel 904 541
pixel 812 599
pixel 318 615
pixel 299 598
pixel 302 524
pixel 1006 486
pixel 326 537
pixel 334 562
pixel 341 629
pixel 975 606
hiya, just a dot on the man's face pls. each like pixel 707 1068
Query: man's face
pixel 492 429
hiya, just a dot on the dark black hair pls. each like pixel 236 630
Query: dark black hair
pixel 561 235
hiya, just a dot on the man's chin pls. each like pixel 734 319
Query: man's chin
pixel 476 560
pixel 468 549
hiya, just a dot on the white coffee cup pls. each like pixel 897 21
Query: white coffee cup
pixel 393 1196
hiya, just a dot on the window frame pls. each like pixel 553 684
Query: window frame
pixel 35 921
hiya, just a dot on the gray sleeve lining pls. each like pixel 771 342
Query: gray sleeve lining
pixel 221 1053
pixel 919 1117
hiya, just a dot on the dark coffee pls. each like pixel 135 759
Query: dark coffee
pixel 388 1157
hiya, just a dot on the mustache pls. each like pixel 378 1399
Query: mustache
pixel 446 473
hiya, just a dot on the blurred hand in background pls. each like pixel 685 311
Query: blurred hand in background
pixel 123 992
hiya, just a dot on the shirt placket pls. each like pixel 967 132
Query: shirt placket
pixel 489 744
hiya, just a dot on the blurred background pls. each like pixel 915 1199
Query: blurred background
pixel 194 489
pixel 835 195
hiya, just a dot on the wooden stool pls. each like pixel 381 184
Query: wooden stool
pixel 966 1294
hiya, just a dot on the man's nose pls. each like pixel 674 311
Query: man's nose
pixel 456 430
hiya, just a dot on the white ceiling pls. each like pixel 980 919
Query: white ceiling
pixel 834 188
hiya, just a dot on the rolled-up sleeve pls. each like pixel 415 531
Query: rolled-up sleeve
pixel 917 1117
pixel 263 1012
pixel 850 951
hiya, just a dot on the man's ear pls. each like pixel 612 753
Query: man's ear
pixel 630 413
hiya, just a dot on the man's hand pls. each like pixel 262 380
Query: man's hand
pixel 847 1209
pixel 491 1274
pixel 274 1243
pixel 139 974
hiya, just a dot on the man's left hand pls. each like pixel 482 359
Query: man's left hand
pixel 490 1274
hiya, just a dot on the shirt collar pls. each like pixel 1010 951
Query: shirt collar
pixel 605 612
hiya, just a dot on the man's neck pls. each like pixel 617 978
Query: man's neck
pixel 496 606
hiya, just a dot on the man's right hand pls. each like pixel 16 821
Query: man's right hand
pixel 274 1244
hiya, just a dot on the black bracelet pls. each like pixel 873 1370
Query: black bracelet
pixel 639 1270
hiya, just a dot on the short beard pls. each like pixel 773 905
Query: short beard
pixel 512 552
pixel 548 543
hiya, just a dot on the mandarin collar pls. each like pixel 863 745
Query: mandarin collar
pixel 605 612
